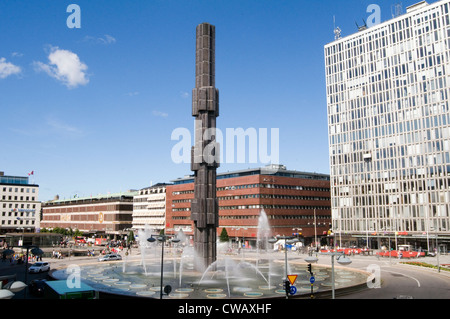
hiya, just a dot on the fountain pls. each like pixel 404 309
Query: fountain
pixel 260 275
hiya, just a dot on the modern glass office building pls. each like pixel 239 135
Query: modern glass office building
pixel 389 132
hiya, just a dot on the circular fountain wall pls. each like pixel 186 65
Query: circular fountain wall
pixel 256 274
pixel 228 277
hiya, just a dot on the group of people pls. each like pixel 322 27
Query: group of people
pixel 20 258
pixel 57 254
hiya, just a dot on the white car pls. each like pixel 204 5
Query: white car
pixel 39 267
pixel 110 257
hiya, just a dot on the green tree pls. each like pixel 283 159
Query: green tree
pixel 130 237
pixel 224 235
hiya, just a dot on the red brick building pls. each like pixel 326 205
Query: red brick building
pixel 293 201
pixel 101 215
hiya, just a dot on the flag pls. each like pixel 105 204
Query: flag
pixel 31 173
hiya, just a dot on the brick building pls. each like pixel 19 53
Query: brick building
pixel 293 201
pixel 102 215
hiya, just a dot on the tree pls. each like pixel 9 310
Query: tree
pixel 130 237
pixel 224 235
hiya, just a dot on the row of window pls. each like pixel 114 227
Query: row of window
pixel 268 216
pixel 265 196
pixel 18 214
pixel 17 189
pixel 17 198
pixel 27 206
pixel 239 207
pixel 17 222
pixel 145 207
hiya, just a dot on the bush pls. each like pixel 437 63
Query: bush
pixel 422 264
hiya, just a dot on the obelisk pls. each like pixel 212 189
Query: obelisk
pixel 205 152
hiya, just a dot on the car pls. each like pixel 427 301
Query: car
pixel 109 257
pixel 39 267
pixel 37 287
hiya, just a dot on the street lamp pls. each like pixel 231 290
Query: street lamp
pixel 341 259
pixel 163 239
pixel 287 240
pixel 437 247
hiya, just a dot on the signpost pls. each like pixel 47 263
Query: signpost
pixel 289 285
pixel 312 280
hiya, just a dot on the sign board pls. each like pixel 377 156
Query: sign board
pixel 292 278
pixel 293 290
pixel 312 279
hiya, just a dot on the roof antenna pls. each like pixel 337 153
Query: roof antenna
pixel 337 31
pixel 363 27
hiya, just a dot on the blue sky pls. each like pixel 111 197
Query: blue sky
pixel 91 110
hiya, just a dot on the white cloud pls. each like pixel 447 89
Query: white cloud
pixel 7 69
pixel 160 114
pixel 107 39
pixel 66 67
pixel 184 95
pixel 61 127
pixel 132 93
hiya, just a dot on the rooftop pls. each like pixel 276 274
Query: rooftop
pixel 13 180
pixel 415 7
pixel 273 170
pixel 122 196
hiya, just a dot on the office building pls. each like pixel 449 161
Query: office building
pixel 109 214
pixel 296 204
pixel 19 205
pixel 149 208
pixel 388 120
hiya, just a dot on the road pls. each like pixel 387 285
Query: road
pixel 399 280
pixel 396 280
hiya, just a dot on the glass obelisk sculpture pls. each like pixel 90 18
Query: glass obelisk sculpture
pixel 205 152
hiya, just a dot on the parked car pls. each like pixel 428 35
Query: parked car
pixel 39 267
pixel 110 257
pixel 37 287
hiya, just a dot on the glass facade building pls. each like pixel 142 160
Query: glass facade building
pixel 388 121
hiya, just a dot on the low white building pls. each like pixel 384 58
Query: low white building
pixel 19 205
pixel 149 208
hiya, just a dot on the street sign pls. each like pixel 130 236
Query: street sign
pixel 312 279
pixel 293 290
pixel 292 278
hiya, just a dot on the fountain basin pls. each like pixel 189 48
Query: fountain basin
pixel 228 278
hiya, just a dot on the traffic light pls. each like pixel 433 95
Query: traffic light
pixel 287 287
pixel 309 268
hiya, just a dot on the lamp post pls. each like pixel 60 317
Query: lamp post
pixel 289 240
pixel 341 259
pixel 163 239
pixel 437 247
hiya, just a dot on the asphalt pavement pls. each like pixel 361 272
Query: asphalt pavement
pixel 397 280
